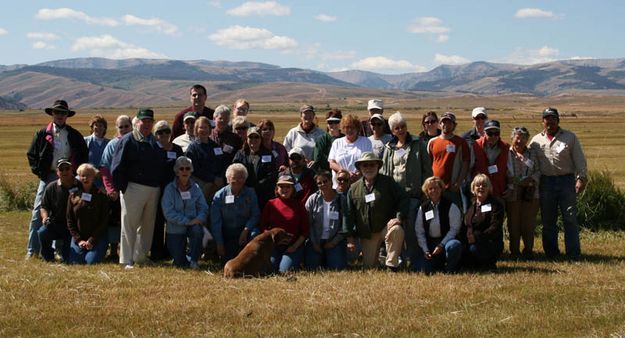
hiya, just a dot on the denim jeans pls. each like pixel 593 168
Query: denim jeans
pixel 82 256
pixel 53 233
pixel 34 245
pixel 447 261
pixel 411 246
pixel 558 192
pixel 333 259
pixel 176 244
pixel 283 261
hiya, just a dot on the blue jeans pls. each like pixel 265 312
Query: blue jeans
pixel 34 246
pixel 558 192
pixel 53 233
pixel 177 243
pixel 95 255
pixel 333 259
pixel 447 261
pixel 283 261
pixel 411 248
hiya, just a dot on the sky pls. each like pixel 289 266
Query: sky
pixel 390 37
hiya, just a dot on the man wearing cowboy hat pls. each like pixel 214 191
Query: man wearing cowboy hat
pixel 378 207
pixel 56 141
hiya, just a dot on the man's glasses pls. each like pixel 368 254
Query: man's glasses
pixel 164 131
pixel 184 168
pixel 480 117
pixel 492 133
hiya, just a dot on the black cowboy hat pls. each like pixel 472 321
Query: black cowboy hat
pixel 61 106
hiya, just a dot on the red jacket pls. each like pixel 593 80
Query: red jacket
pixel 499 178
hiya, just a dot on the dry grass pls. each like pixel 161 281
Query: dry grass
pixel 522 299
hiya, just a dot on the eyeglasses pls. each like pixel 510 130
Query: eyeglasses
pixel 369 164
pixel 164 131
pixel 376 124
pixel 124 126
pixel 241 128
pixel 334 122
pixel 342 179
pixel 492 133
pixel 253 137
pixel 480 117
pixel 295 157
pixel 184 168
pixel 430 121
pixel 242 109
pixel 400 127
pixel 65 168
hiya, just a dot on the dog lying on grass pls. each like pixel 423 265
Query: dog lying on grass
pixel 255 258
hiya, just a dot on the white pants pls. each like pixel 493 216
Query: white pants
pixel 139 205
pixel 394 240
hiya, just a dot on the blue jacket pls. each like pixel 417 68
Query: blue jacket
pixel 137 159
pixel 206 164
pixel 229 219
pixel 179 212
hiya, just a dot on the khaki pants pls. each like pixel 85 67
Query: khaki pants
pixel 139 205
pixel 394 240
pixel 521 224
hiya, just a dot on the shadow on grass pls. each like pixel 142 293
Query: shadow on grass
pixel 585 258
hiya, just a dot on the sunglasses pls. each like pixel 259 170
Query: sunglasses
pixel 376 124
pixel 184 168
pixel 65 168
pixel 334 122
pixel 123 126
pixel 492 133
pixel 164 131
pixel 295 157
pixel 480 117
pixel 430 121
pixel 242 109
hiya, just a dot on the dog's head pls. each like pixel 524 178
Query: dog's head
pixel 280 237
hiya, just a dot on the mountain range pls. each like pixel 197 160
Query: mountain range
pixel 100 82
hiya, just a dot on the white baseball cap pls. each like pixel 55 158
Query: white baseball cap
pixel 375 104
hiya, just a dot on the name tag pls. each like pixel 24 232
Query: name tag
pixel 560 147
pixel 186 195
pixel 229 199
pixel 492 169
pixel 529 163
pixel 85 197
pixel 228 148
pixel 218 151
pixel 400 152
pixel 334 215
pixel 450 148
pixel 275 154
pixel 266 159
pixel 370 197
pixel 486 208
pixel 429 215
pixel 298 187
pixel 171 155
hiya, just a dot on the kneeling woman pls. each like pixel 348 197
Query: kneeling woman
pixel 87 219
pixel 484 221
pixel 186 211
pixel 326 246
pixel 286 212
pixel 437 226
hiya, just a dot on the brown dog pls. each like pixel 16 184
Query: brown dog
pixel 256 255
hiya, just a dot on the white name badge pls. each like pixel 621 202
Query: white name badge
pixel 560 147
pixel 186 195
pixel 85 197
pixel 218 151
pixel 229 199
pixel 370 197
pixel 298 187
pixel 492 169
pixel 266 159
pixel 486 208
pixel 275 154
pixel 334 215
pixel 451 148
pixel 171 155
pixel 529 163
pixel 429 215
pixel 400 152
pixel 228 148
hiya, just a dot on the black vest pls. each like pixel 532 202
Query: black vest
pixel 443 213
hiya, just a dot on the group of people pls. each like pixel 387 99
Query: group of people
pixel 434 201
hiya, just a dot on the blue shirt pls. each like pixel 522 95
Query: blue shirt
pixel 180 209
pixel 231 214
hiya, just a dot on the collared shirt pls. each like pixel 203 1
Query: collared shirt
pixel 184 141
pixel 231 213
pixel 61 145
pixel 562 155
pixel 298 137
pixel 435 226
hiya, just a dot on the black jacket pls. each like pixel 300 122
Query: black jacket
pixel 41 150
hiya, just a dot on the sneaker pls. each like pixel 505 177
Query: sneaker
pixel 194 265
pixel 128 266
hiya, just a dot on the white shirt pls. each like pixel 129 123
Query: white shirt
pixel 297 137
pixel 325 233
pixel 61 146
pixel 435 226
pixel 346 154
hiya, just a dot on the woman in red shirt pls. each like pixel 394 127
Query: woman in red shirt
pixel 287 213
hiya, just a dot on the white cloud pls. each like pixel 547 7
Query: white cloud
pixel 384 64
pixel 108 46
pixel 44 36
pixel 325 18
pixel 68 13
pixel 215 3
pixel 42 45
pixel 245 37
pixel 533 13
pixel 441 59
pixel 430 25
pixel 3 31
pixel 155 23
pixel 531 56
pixel 260 8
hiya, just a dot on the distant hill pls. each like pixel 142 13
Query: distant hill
pixel 100 82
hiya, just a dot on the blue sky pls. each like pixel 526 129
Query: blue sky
pixel 380 36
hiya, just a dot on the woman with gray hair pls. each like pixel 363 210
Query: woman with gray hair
pixel 234 213
pixel 186 211
pixel 406 160
pixel 229 142
pixel 522 202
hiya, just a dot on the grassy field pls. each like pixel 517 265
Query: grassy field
pixel 539 298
